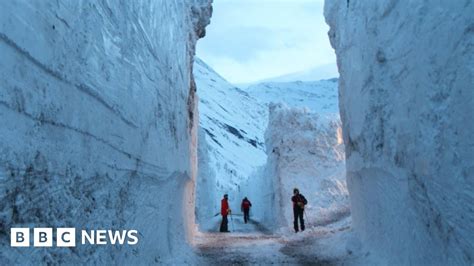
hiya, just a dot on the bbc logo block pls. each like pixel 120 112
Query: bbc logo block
pixel 43 237
pixel 66 237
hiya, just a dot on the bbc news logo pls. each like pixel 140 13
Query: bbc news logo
pixel 66 237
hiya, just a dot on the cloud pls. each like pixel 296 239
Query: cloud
pixel 240 43
pixel 251 40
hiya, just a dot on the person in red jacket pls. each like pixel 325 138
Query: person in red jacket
pixel 225 210
pixel 245 207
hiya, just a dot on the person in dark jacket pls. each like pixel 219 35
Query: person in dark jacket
pixel 245 207
pixel 225 210
pixel 299 201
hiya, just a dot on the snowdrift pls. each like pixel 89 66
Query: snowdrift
pixel 407 101
pixel 98 117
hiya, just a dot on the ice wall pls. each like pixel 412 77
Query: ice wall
pixel 407 102
pixel 98 124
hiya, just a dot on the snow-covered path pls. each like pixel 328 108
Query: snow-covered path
pixel 250 244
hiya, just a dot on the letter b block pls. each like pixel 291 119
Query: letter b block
pixel 43 237
pixel 20 237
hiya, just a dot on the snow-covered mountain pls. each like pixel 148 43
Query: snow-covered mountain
pixel 327 71
pixel 318 96
pixel 233 124
pixel 306 130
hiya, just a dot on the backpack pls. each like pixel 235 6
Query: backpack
pixel 301 201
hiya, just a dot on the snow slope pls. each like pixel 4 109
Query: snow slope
pixel 98 124
pixel 407 102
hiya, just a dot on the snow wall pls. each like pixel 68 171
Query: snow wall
pixel 207 200
pixel 305 150
pixel 407 102
pixel 98 124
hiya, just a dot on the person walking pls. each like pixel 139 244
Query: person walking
pixel 299 201
pixel 225 210
pixel 245 207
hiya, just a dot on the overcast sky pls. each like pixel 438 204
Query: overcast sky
pixel 251 40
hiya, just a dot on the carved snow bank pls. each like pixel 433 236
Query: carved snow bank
pixel 97 110
pixel 407 101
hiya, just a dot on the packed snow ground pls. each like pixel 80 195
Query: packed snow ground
pixel 252 244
